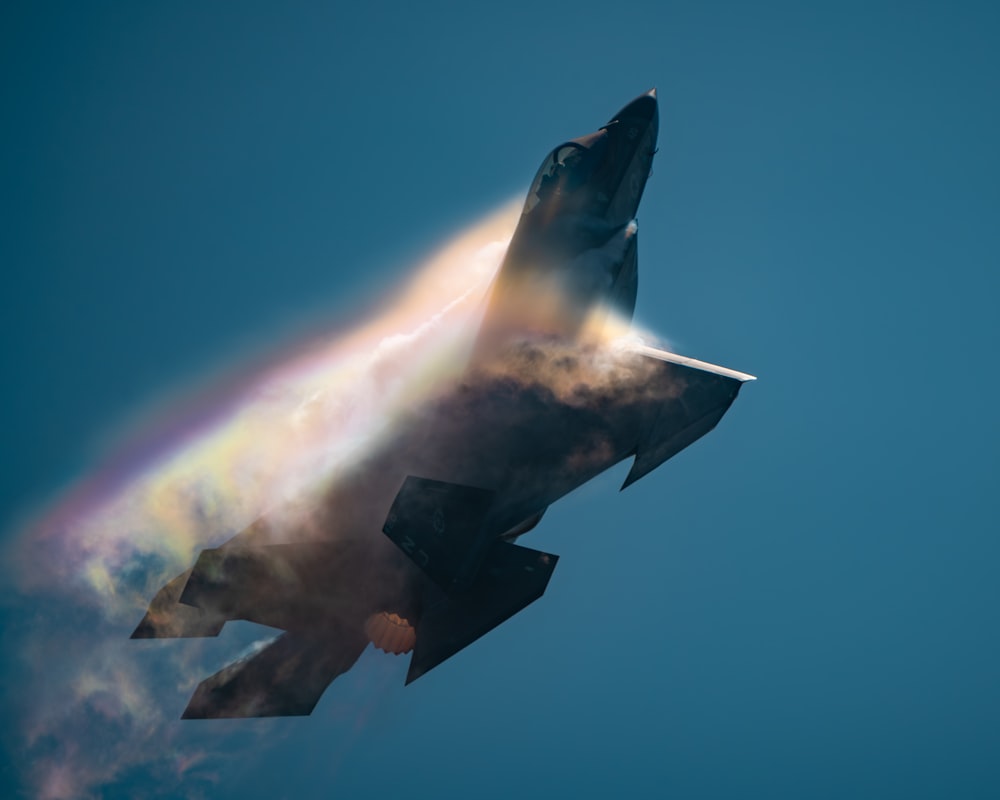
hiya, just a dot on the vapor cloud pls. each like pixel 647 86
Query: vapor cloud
pixel 96 708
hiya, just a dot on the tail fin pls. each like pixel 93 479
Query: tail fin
pixel 511 578
pixel 439 526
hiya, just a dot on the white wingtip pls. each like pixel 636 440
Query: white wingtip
pixel 684 361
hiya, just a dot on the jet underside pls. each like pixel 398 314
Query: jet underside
pixel 414 547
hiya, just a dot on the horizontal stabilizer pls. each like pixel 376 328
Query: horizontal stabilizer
pixel 167 618
pixel 511 578
pixel 285 679
pixel 704 394
pixel 438 525
pixel 294 586
pixel 284 586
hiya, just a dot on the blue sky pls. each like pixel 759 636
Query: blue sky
pixel 804 604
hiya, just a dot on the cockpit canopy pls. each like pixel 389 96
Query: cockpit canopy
pixel 567 168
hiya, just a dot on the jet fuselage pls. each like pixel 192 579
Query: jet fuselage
pixel 412 548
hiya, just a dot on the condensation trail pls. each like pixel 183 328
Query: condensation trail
pixel 98 707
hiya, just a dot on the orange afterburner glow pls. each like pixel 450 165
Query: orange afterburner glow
pixel 391 633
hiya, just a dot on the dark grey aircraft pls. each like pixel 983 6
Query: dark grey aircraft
pixel 414 548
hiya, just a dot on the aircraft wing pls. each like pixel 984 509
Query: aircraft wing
pixel 706 393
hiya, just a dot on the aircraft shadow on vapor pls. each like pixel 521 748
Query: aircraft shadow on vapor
pixel 413 550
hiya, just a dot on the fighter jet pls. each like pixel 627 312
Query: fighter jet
pixel 413 549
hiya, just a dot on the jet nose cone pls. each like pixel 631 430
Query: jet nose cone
pixel 642 109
